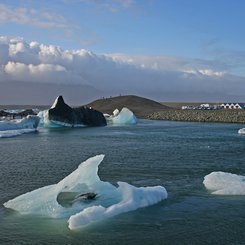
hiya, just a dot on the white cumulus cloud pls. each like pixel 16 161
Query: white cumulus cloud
pixel 158 77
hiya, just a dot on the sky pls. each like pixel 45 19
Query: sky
pixel 167 50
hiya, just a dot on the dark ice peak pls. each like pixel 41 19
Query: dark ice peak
pixel 61 112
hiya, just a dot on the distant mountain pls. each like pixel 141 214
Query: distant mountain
pixel 139 105
pixel 30 93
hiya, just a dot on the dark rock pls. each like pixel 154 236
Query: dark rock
pixel 86 196
pixel 13 115
pixel 26 112
pixel 63 113
pixel 3 113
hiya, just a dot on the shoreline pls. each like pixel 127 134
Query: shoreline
pixel 157 113
pixel 216 116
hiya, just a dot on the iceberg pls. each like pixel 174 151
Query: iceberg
pixel 131 198
pixel 124 117
pixel 241 131
pixel 221 183
pixel 47 123
pixel 62 200
pixel 62 115
pixel 17 127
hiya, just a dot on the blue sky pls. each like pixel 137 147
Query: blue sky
pixel 209 34
pixel 157 27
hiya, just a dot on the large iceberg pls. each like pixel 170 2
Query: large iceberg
pixel 62 115
pixel 64 198
pixel 17 127
pixel 125 116
pixel 221 183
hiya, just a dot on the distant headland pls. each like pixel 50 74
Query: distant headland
pixel 141 107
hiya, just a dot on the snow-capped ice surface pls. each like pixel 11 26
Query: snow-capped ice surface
pixel 221 183
pixel 125 116
pixel 62 199
pixel 17 127
pixel 241 131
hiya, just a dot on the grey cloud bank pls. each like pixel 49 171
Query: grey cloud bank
pixel 33 73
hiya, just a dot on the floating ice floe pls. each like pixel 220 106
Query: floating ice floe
pixel 241 131
pixel 221 183
pixel 17 127
pixel 66 198
pixel 125 116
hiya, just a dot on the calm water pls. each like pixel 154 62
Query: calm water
pixel 176 155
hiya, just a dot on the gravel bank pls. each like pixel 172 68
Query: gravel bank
pixel 224 116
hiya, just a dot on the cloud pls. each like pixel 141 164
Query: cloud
pixel 110 5
pixel 32 17
pixel 118 5
pixel 55 24
pixel 33 73
pixel 232 60
pixel 157 77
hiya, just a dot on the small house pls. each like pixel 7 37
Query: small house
pixel 233 106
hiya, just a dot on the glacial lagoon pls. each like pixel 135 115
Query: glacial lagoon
pixel 174 155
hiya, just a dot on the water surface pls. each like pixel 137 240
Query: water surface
pixel 176 155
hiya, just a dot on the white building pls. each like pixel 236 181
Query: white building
pixel 233 106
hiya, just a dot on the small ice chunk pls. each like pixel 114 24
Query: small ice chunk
pixel 241 131
pixel 221 183
pixel 124 117
pixel 115 112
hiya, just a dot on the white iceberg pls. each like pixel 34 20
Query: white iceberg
pixel 124 117
pixel 17 127
pixel 241 131
pixel 62 199
pixel 221 183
